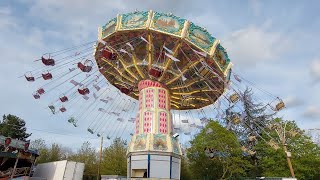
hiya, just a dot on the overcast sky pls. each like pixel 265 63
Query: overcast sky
pixel 272 43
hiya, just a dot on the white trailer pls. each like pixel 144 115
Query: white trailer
pixel 60 170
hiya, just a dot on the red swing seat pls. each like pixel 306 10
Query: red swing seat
pixel 64 99
pixel 48 62
pixel 84 91
pixel 125 90
pixel 36 96
pixel 84 68
pixel 47 76
pixel 108 55
pixel 29 78
pixel 155 72
pixel 40 91
pixel 63 109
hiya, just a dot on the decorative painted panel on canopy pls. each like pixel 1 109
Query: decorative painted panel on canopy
pixel 167 23
pixel 135 20
pixel 200 37
pixel 109 28
pixel 222 57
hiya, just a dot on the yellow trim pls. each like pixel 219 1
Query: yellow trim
pixel 185 69
pixel 134 59
pixel 214 47
pixel 175 101
pixel 175 106
pixel 185 29
pixel 169 60
pixel 99 33
pixel 150 50
pixel 118 70
pixel 227 69
pixel 192 92
pixel 125 67
pixel 150 17
pixel 174 97
pixel 118 22
pixel 188 84
pixel 214 60
pixel 121 82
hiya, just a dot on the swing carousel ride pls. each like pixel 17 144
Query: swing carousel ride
pixel 153 72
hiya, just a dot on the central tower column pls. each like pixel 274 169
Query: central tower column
pixel 154 109
pixel 153 152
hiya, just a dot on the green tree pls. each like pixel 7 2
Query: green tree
pixel 87 155
pixel 14 127
pixel 228 160
pixel 185 169
pixel 114 160
pixel 55 152
pixel 41 146
pixel 254 119
pixel 305 154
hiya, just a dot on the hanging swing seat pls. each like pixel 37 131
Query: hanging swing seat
pixel 280 106
pixel 47 76
pixel 251 153
pixel 234 98
pixel 40 91
pixel 155 72
pixel 98 135
pixel 36 96
pixel 63 109
pixel 108 137
pixel 52 109
pixel 48 61
pixel 84 91
pixel 90 130
pixel 252 138
pixel 64 99
pixel 84 68
pixel 273 144
pixel 29 78
pixel 71 120
pixel 244 149
pixel 108 55
pixel 125 90
pixel 277 107
pixel 236 119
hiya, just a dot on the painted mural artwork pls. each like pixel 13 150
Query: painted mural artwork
pixel 222 57
pixel 140 142
pixel 160 142
pixel 200 37
pixel 134 20
pixel 109 27
pixel 167 23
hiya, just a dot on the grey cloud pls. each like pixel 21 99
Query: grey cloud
pixel 312 112
pixel 315 69
pixel 292 101
pixel 254 44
